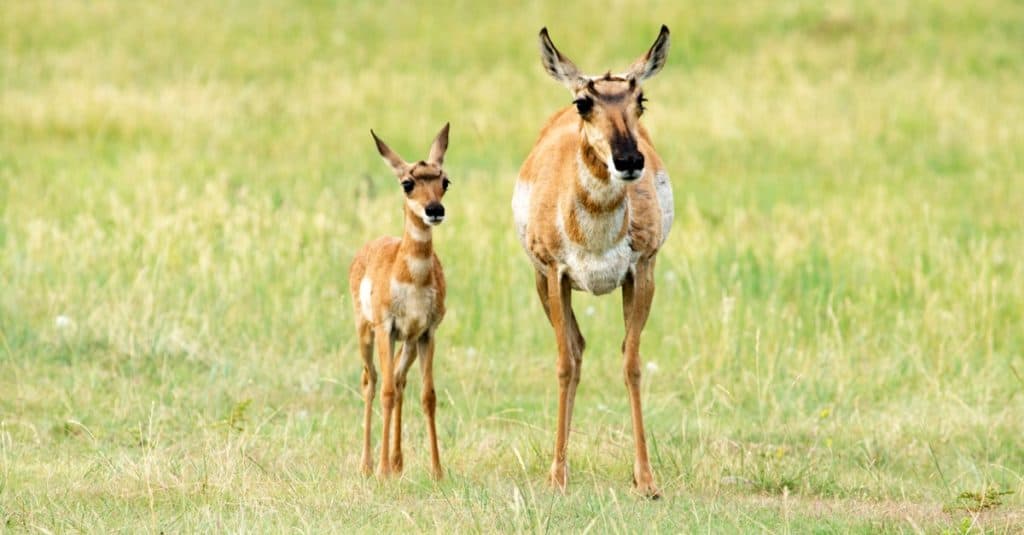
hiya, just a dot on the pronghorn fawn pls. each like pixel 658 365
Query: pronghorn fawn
pixel 592 206
pixel 398 289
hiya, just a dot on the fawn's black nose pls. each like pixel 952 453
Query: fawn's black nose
pixel 629 163
pixel 434 210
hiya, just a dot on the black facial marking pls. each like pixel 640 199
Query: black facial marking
pixel 584 105
pixel 626 156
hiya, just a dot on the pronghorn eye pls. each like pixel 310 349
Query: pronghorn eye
pixel 407 185
pixel 583 105
pixel 445 183
pixel 640 103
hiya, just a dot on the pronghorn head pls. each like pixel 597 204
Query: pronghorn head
pixel 610 105
pixel 424 182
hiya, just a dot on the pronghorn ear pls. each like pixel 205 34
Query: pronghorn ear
pixel 439 147
pixel 650 63
pixel 396 162
pixel 558 66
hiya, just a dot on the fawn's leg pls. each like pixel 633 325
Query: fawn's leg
pixel 401 370
pixel 385 351
pixel 429 400
pixel 364 332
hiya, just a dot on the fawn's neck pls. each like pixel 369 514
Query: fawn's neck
pixel 417 249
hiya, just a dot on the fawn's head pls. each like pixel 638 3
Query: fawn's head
pixel 609 106
pixel 424 182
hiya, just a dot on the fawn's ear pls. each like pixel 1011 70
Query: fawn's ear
pixel 558 66
pixel 398 165
pixel 440 145
pixel 650 63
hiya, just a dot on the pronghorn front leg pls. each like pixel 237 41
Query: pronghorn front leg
pixel 385 351
pixel 575 338
pixel 401 370
pixel 560 308
pixel 637 294
pixel 429 399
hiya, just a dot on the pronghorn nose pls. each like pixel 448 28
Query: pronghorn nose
pixel 434 209
pixel 629 162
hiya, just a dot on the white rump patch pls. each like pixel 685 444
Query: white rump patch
pixel 663 189
pixel 365 298
pixel 521 208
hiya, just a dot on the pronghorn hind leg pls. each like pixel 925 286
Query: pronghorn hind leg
pixel 541 282
pixel 637 295
pixel 364 332
pixel 408 355
pixel 429 400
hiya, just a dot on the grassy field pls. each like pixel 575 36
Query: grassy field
pixel 837 339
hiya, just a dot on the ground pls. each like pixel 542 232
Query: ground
pixel 836 342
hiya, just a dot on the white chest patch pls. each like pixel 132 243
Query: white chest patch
pixel 598 272
pixel 412 308
pixel 419 268
pixel 366 298
pixel 601 264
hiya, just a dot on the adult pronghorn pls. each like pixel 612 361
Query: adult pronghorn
pixel 592 205
pixel 398 289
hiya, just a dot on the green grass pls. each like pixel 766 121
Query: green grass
pixel 837 339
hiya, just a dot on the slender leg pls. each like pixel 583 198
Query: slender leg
pixel 365 334
pixel 577 356
pixel 637 294
pixel 401 370
pixel 560 316
pixel 429 400
pixel 575 337
pixel 541 281
pixel 385 351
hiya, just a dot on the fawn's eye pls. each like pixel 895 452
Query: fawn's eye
pixel 584 105
pixel 407 185
pixel 640 103
pixel 445 183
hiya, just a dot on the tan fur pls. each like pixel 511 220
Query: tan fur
pixel 588 225
pixel 551 169
pixel 398 293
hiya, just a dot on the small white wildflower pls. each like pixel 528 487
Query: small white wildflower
pixel 670 275
pixel 652 367
pixel 589 311
pixel 63 322
pixel 471 352
pixel 728 303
